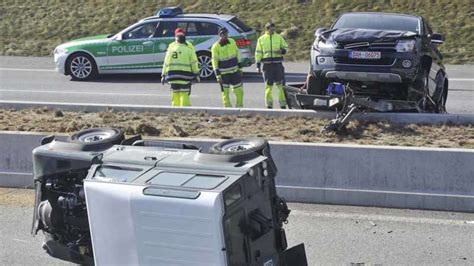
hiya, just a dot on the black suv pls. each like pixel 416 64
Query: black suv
pixel 383 55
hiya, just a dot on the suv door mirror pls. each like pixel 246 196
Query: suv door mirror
pixel 437 38
pixel 118 37
pixel 319 31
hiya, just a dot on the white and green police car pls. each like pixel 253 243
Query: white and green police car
pixel 141 47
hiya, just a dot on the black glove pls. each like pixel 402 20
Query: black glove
pixel 283 51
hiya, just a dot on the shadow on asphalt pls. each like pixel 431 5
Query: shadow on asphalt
pixel 249 77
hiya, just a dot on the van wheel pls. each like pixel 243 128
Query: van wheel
pixel 239 146
pixel 98 136
pixel 205 65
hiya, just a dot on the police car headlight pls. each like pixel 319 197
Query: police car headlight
pixel 405 45
pixel 60 50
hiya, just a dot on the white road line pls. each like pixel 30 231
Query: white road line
pixel 20 240
pixel 27 69
pixel 379 217
pixel 460 79
pixel 288 74
pixel 94 93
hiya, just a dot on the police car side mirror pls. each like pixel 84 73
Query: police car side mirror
pixel 118 37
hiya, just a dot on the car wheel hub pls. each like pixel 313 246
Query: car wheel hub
pixel 238 146
pixel 94 136
pixel 205 66
pixel 81 67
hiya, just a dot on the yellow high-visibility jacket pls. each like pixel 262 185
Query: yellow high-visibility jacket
pixel 180 66
pixel 225 59
pixel 269 48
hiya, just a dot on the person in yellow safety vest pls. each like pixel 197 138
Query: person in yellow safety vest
pixel 270 50
pixel 180 69
pixel 228 71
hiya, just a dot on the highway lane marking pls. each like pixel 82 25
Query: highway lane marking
pixel 380 217
pixel 21 240
pixel 27 69
pixel 95 93
pixel 288 74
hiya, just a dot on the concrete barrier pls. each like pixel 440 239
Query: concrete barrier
pixel 402 118
pixel 401 177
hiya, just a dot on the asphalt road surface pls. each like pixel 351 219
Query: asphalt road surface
pixel 34 79
pixel 333 235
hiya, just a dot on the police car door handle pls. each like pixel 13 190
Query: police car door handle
pixel 148 43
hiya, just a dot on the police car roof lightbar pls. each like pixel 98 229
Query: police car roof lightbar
pixel 168 12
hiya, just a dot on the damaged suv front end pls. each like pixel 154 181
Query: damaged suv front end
pixel 383 56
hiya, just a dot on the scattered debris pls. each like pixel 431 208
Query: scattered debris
pixel 178 131
pixel 297 129
pixel 147 130
pixel 58 113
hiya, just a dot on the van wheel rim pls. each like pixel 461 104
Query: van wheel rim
pixel 95 136
pixel 238 146
pixel 205 66
pixel 81 67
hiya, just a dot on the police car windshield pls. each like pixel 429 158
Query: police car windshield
pixel 378 22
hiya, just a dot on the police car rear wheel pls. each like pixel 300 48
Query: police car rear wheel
pixel 82 67
pixel 239 146
pixel 205 65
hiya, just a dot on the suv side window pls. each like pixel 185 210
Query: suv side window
pixel 206 28
pixel 167 28
pixel 142 31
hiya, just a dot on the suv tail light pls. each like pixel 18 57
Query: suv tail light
pixel 243 42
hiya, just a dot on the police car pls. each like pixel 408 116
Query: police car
pixel 141 47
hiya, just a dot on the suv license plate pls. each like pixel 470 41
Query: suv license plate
pixel 364 55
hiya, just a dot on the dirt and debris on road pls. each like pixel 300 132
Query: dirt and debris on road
pixel 16 197
pixel 203 125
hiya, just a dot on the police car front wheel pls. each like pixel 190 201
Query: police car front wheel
pixel 82 67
